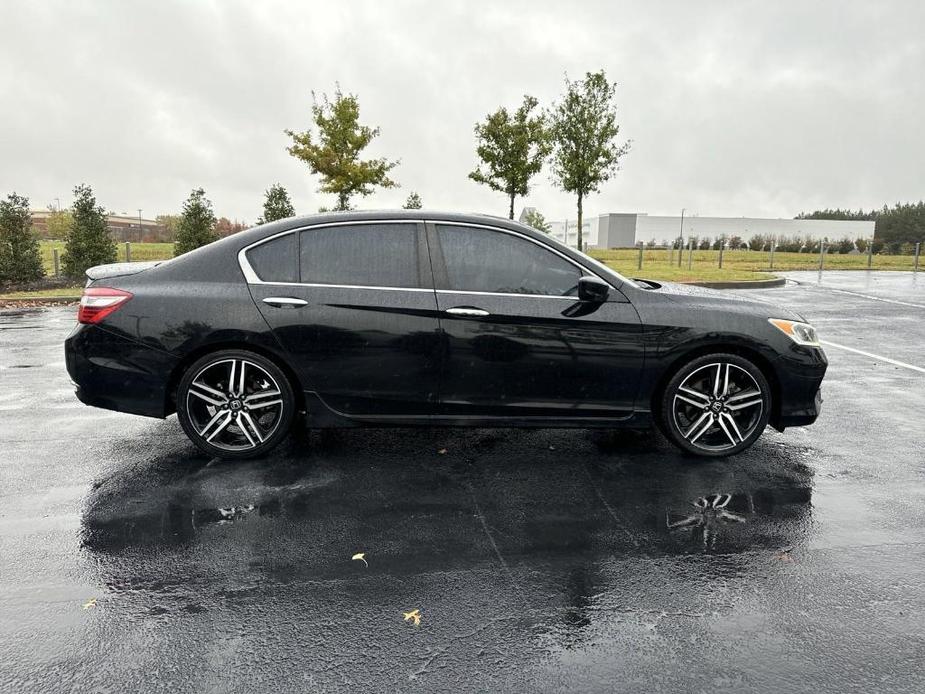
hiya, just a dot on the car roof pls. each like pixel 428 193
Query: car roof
pixel 435 215
pixel 234 243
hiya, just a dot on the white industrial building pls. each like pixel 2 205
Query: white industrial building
pixel 626 229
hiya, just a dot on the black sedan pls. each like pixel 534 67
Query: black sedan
pixel 418 318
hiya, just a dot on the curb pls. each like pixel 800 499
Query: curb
pixel 742 284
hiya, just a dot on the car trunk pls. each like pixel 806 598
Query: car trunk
pixel 105 272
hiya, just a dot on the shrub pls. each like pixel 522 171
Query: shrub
pixel 20 260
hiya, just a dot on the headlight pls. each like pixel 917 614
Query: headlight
pixel 801 333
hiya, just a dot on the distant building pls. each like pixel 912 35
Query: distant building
pixel 563 230
pixel 122 227
pixel 626 229
pixel 622 230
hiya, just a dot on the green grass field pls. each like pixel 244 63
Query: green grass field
pixel 737 265
pixel 140 251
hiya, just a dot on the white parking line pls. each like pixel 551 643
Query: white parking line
pixel 874 356
pixel 863 296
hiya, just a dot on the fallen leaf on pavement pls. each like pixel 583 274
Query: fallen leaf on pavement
pixel 414 615
pixel 360 556
pixel 90 603
pixel 442 451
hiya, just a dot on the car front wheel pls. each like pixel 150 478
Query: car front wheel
pixel 716 405
pixel 235 404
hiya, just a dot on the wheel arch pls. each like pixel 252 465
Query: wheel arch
pixel 744 350
pixel 170 404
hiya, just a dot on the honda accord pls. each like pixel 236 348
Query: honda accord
pixel 412 318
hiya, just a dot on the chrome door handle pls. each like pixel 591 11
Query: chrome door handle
pixel 285 301
pixel 472 312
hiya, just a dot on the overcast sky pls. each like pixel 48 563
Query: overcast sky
pixel 734 108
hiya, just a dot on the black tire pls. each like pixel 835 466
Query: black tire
pixel 225 423
pixel 738 414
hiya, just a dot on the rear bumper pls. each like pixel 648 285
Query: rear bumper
pixel 800 378
pixel 117 373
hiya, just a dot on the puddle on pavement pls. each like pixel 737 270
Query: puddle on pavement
pixel 532 509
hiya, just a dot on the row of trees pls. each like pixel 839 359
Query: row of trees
pixel 577 136
pixel 87 241
pixel 784 244
pixel 896 228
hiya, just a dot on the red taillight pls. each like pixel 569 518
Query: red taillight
pixel 98 302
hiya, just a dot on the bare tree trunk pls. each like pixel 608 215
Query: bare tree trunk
pixel 511 212
pixel 580 245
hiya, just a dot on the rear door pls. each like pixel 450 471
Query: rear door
pixel 353 304
pixel 519 342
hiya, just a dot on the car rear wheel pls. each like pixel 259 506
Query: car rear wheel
pixel 235 404
pixel 716 405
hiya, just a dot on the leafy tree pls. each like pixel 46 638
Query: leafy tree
pixel 584 130
pixel 735 242
pixel 838 214
pixel 758 242
pixel 197 223
pixel 225 227
pixel 535 219
pixel 334 153
pixel 88 242
pixel 413 202
pixel 170 222
pixel 705 243
pixel 512 150
pixel 277 205
pixel 861 245
pixel 58 223
pixel 20 260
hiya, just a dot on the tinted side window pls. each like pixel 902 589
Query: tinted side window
pixel 274 261
pixel 368 255
pixel 481 260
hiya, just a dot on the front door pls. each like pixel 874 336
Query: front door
pixel 519 343
pixel 359 316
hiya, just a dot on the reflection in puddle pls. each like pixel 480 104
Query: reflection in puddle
pixel 709 518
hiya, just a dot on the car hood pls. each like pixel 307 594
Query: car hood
pixel 724 299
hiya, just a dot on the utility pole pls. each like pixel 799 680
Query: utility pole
pixel 139 225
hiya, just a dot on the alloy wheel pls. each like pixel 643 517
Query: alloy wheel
pixel 234 404
pixel 717 407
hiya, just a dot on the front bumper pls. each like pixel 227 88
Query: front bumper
pixel 800 375
pixel 115 372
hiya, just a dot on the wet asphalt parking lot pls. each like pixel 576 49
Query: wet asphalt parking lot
pixel 537 560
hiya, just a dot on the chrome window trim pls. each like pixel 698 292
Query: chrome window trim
pixel 251 277
pixel 520 235
pixel 508 294
pixel 343 286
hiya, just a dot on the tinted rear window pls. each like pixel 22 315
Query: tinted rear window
pixel 366 255
pixel 275 261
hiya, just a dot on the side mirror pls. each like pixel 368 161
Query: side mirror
pixel 593 290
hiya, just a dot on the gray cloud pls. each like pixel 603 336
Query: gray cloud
pixel 746 108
